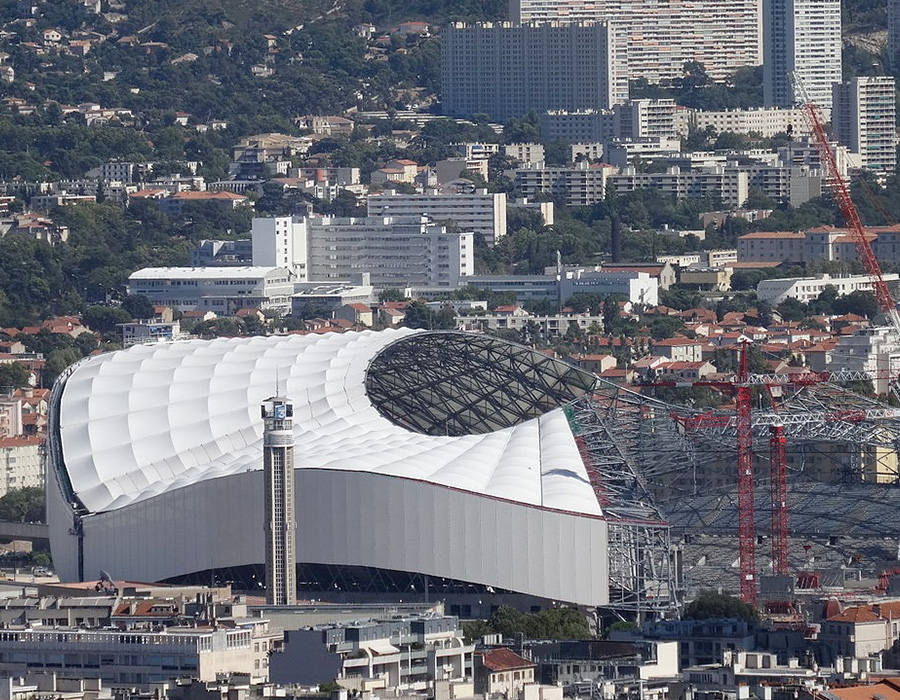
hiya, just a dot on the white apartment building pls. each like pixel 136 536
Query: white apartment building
pixel 396 251
pixel 729 185
pixel 582 184
pixel 869 350
pixel 621 152
pixel 806 289
pixel 480 212
pixel 223 290
pixel 139 658
pixel 525 152
pixel 280 241
pixel 662 37
pixel 507 70
pixel 863 116
pixel 765 121
pixel 802 36
pixel 21 465
pixel 633 119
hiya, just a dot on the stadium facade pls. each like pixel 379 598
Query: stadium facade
pixel 453 456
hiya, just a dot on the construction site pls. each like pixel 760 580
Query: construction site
pixel 789 489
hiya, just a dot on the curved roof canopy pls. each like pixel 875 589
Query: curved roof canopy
pixel 153 418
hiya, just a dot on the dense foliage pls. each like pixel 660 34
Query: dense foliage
pixel 555 623
pixel 25 505
pixel 710 605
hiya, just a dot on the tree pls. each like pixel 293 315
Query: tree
pixel 859 302
pixel 709 606
pixel 662 327
pixel 103 319
pixel 25 505
pixel 138 306
pixel 13 376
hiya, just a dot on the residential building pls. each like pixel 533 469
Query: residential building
pixel 806 289
pixel 507 70
pixel 578 126
pixel 525 152
pixel 801 37
pixel 140 657
pixel 480 212
pixel 710 279
pixel 730 186
pixel 638 287
pixel 646 118
pixel 502 672
pixel 546 327
pixel 405 653
pixel 581 184
pixel 280 241
pixel 863 117
pixel 764 121
pixel 173 205
pixel 870 350
pixel 20 463
pixel 661 39
pixel 772 246
pixel 149 331
pixel 396 251
pixel 211 253
pixel 325 298
pixel 223 290
pixel 703 641
pixel 622 152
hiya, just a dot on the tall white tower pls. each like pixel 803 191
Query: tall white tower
pixel 802 37
pixel 281 525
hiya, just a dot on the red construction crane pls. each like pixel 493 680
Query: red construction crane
pixel 841 193
pixel 739 386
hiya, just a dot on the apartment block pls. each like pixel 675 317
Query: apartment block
pixel 480 212
pixel 663 36
pixel 633 119
pixel 863 116
pixel 765 121
pixel 396 251
pixel 280 241
pixel 802 37
pixel 728 185
pixel 20 463
pixel 507 70
pixel 582 184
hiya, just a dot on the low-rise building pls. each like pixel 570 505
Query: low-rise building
pixel 502 672
pixel 149 331
pixel 806 289
pixel 212 253
pixel 763 121
pixel 21 465
pixel 710 279
pixel 222 290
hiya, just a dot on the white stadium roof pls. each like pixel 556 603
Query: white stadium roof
pixel 155 418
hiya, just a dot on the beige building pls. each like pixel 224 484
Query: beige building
pixel 502 672
pixel 20 463
pixel 711 279
pixel 765 121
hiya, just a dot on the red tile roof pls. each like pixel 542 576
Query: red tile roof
pixel 504 660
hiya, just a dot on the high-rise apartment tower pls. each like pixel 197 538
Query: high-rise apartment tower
pixel 802 37
pixel 661 36
pixel 281 525
pixel 863 116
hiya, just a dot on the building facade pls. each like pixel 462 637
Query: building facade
pixel 480 212
pixel 802 37
pixel 662 37
pixel 395 251
pixel 808 288
pixel 508 70
pixel 280 241
pixel 223 290
pixel 21 464
pixel 765 121
pixel 863 116
pixel 281 526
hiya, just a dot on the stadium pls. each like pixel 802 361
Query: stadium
pixel 436 461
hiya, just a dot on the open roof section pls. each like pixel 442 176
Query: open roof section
pixel 451 383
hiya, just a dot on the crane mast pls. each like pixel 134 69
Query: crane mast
pixel 841 193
